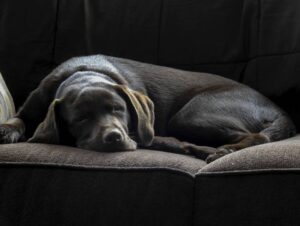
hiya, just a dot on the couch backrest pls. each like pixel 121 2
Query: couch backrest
pixel 256 42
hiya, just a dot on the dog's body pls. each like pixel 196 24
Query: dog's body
pixel 197 108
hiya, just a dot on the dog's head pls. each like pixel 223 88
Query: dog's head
pixel 106 118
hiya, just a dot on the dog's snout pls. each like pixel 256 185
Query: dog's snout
pixel 112 137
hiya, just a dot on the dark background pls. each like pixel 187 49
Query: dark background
pixel 256 42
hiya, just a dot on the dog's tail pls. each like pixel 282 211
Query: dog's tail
pixel 281 128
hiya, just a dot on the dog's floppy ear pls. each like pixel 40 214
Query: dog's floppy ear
pixel 47 131
pixel 143 108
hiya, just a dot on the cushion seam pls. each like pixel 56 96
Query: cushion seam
pixel 248 172
pixel 95 167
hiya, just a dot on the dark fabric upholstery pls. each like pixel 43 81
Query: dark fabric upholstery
pixel 262 199
pixel 26 44
pixel 127 28
pixel 277 155
pixel 63 196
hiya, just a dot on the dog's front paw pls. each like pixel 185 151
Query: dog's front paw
pixel 9 134
pixel 220 153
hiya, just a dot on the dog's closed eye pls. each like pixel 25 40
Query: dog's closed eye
pixel 118 108
pixel 79 119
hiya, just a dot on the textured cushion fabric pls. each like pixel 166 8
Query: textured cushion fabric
pixel 276 155
pixel 56 155
pixel 56 185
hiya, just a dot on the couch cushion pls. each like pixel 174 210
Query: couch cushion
pixel 255 186
pixel 276 155
pixel 56 155
pixel 80 187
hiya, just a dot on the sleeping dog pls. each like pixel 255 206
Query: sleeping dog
pixel 109 104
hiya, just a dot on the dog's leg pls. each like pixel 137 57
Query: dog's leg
pixel 280 128
pixel 246 140
pixel 12 131
pixel 27 118
pixel 171 144
pixel 200 128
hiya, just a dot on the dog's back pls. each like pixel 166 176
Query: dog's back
pixel 171 89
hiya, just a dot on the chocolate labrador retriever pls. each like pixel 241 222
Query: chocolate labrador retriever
pixel 109 104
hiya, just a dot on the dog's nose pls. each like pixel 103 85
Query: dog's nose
pixel 113 137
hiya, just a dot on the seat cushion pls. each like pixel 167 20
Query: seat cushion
pixel 255 186
pixel 56 155
pixel 80 187
pixel 279 155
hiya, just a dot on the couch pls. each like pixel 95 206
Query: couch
pixel 256 42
